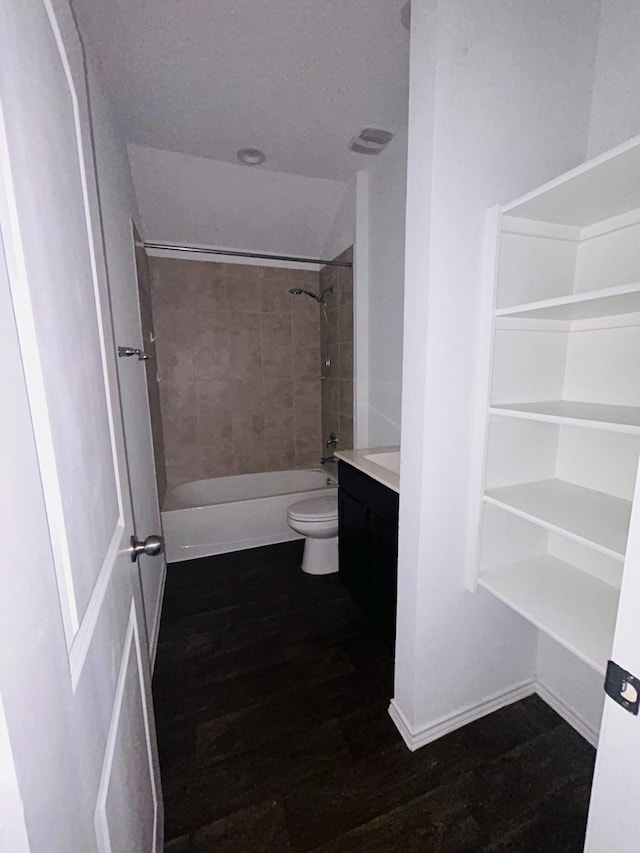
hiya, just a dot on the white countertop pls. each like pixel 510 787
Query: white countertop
pixel 358 459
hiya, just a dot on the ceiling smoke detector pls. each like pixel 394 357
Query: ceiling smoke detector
pixel 251 156
pixel 371 140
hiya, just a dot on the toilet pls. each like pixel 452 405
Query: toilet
pixel 317 520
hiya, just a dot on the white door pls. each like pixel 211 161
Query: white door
pixel 615 797
pixel 74 667
pixel 115 186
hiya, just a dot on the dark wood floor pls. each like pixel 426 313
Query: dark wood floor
pixel 271 698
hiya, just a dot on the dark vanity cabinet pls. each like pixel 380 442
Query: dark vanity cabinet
pixel 368 543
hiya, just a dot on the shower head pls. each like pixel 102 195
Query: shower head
pixel 296 291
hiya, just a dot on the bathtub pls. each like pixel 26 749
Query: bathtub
pixel 224 514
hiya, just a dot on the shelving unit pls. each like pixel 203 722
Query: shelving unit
pixel 608 302
pixel 560 420
pixel 573 413
pixel 575 609
pixel 592 518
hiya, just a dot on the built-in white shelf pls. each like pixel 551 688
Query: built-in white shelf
pixel 574 608
pixel 558 398
pixel 592 518
pixel 609 302
pixel 625 419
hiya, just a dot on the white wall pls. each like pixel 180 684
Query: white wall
pixel 500 99
pixel 387 204
pixel 13 827
pixel 342 233
pixel 572 687
pixel 616 105
pixel 193 200
pixel 376 198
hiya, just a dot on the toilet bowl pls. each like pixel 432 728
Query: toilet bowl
pixel 317 520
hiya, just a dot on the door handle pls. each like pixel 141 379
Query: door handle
pixel 151 546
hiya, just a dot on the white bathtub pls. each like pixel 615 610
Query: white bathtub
pixel 232 513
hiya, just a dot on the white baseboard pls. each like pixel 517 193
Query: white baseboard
pixel 155 632
pixel 568 714
pixel 451 722
pixel 421 737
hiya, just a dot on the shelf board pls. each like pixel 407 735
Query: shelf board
pixel 572 607
pixel 592 518
pixel 598 189
pixel 624 419
pixel 609 302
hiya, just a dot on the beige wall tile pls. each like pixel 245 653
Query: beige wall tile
pixel 331 334
pixel 280 460
pixel 218 459
pixel 307 394
pixel 306 329
pixel 337 340
pixel 345 361
pixel 345 431
pixel 244 295
pixel 331 394
pixel 277 363
pixel 177 398
pixel 307 454
pixel 276 331
pixel 225 351
pixel 247 396
pixel 278 401
pixel 180 431
pixel 333 351
pixel 345 323
pixel 276 298
pixel 245 346
pixel 211 354
pixel 306 362
pixel 249 459
pixel 308 424
pixel 279 436
pixel 346 397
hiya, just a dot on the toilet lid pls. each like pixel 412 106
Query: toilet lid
pixel 315 509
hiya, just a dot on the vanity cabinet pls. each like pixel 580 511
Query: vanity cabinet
pixel 368 546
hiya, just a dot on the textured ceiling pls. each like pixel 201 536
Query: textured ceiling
pixel 297 78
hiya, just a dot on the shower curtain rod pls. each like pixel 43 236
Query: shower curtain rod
pixel 230 253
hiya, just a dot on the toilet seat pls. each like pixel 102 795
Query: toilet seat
pixel 314 509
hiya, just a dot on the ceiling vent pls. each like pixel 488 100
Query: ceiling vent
pixel 371 140
pixel 251 156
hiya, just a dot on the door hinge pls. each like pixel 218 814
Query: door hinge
pixel 126 352
pixel 622 687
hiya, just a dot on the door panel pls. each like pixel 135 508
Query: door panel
pixel 75 668
pixel 47 199
pixel 616 789
pixel 117 205
pixel 120 792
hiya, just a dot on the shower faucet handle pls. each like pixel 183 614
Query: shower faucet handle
pixel 332 441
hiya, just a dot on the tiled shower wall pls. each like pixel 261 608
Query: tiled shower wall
pixel 239 361
pixel 337 343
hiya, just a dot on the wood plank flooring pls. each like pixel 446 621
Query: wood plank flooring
pixel 271 697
